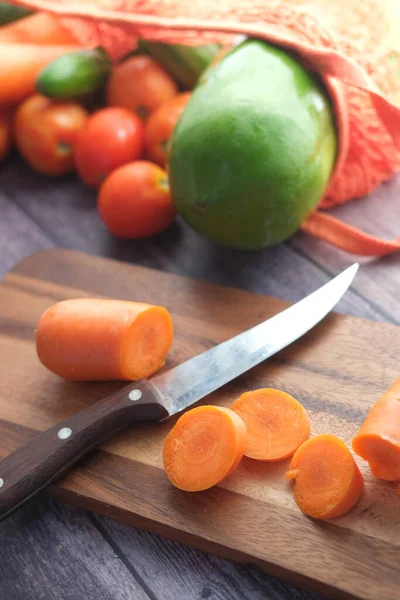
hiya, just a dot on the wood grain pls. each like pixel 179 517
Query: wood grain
pixel 74 562
pixel 379 280
pixel 252 516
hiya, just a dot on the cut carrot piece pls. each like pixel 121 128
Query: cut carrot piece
pixel 100 339
pixel 40 28
pixel 205 446
pixel 20 65
pixel 276 423
pixel 378 439
pixel 328 482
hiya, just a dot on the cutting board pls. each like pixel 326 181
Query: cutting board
pixel 337 371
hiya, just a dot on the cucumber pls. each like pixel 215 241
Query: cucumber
pixel 185 64
pixel 11 12
pixel 74 75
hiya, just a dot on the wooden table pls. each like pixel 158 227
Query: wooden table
pixel 49 551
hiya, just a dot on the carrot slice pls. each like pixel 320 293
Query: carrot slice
pixel 205 445
pixel 102 339
pixel 328 482
pixel 20 65
pixel 276 423
pixel 378 439
pixel 40 28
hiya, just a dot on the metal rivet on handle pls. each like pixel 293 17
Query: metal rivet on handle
pixel 1 482
pixel 64 433
pixel 135 395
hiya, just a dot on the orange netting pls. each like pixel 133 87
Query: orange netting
pixel 350 43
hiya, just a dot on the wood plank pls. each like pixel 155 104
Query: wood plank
pixel 251 516
pixel 379 279
pixel 19 235
pixel 50 551
pixel 67 212
pixel 175 571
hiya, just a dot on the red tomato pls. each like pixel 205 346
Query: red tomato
pixel 160 126
pixel 5 134
pixel 45 133
pixel 112 137
pixel 140 84
pixel 135 202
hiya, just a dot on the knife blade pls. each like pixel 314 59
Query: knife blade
pixel 36 464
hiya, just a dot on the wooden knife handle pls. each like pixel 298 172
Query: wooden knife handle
pixel 49 454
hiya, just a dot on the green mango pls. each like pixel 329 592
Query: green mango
pixel 254 149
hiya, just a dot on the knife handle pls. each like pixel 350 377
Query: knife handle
pixel 30 468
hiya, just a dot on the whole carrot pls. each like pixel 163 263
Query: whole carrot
pixel 40 28
pixel 378 439
pixel 20 65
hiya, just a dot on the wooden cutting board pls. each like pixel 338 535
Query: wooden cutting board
pixel 337 371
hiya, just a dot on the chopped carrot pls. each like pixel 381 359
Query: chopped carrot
pixel 204 446
pixel 327 480
pixel 378 439
pixel 40 28
pixel 102 339
pixel 276 423
pixel 19 66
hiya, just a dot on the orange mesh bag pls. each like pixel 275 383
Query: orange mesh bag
pixel 351 44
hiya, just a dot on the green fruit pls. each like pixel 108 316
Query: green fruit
pixel 254 149
pixel 74 75
pixel 185 64
pixel 10 13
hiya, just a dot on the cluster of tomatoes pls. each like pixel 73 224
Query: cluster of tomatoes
pixel 118 149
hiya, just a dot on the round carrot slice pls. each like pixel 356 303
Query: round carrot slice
pixel 327 480
pixel 205 446
pixel 276 423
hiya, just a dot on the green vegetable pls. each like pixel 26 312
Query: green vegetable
pixel 11 12
pixel 75 74
pixel 254 149
pixel 185 64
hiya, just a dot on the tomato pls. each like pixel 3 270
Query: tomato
pixel 45 133
pixel 135 202
pixel 5 134
pixel 160 125
pixel 112 137
pixel 140 84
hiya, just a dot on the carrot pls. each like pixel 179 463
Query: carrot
pixel 40 28
pixel 205 446
pixel 378 439
pixel 327 480
pixel 276 423
pixel 19 66
pixel 102 339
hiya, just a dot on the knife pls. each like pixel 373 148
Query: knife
pixel 33 466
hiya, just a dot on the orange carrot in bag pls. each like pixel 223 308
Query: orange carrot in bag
pixel 276 423
pixel 205 446
pixel 378 439
pixel 102 339
pixel 327 480
pixel 40 28
pixel 20 65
